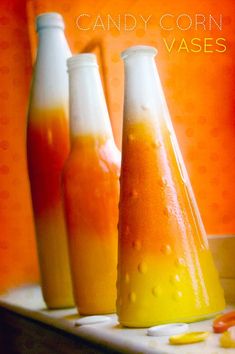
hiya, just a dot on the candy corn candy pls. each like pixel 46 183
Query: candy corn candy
pixel 188 338
pixel 227 339
pixel 222 323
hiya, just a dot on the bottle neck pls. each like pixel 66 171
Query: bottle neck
pixel 50 81
pixel 143 93
pixel 52 39
pixel 88 111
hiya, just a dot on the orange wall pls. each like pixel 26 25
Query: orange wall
pixel 199 88
pixel 18 263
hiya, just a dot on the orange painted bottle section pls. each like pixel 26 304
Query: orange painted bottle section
pixel 47 149
pixel 166 272
pixel 91 193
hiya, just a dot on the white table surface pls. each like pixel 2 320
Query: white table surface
pixel 27 301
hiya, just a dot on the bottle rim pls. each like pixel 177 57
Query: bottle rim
pixel 139 50
pixel 81 60
pixel 49 19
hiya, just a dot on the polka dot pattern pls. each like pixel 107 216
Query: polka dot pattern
pixel 4 169
pixel 4 144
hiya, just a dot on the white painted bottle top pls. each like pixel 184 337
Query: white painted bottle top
pixel 50 79
pixel 49 19
pixel 139 50
pixel 143 98
pixel 87 104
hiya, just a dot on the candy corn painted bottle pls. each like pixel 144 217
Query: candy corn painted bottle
pixel 91 190
pixel 165 268
pixel 47 149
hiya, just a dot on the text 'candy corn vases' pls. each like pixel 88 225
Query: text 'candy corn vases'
pixel 47 150
pixel 165 268
pixel 91 190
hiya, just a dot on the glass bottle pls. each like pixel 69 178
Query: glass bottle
pixel 165 268
pixel 91 190
pixel 47 150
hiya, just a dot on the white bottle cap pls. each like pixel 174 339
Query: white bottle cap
pixel 84 59
pixel 49 19
pixel 139 49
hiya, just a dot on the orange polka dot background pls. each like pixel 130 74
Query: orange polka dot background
pixel 199 89
pixel 18 261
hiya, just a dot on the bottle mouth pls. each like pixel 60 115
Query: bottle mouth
pixel 49 19
pixel 139 50
pixel 81 60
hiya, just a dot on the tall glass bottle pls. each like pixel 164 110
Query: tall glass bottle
pixel 91 190
pixel 47 149
pixel 165 271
